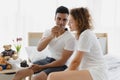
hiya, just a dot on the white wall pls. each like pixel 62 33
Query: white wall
pixel 110 17
pixel 18 17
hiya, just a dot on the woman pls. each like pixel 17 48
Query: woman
pixel 88 64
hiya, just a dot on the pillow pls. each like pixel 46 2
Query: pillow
pixel 103 43
pixel 35 55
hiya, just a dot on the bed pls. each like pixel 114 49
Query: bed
pixel 113 62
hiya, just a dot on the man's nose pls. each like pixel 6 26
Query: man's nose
pixel 61 21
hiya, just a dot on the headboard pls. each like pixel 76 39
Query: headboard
pixel 33 38
pixel 103 39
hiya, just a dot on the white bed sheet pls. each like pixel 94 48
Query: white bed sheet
pixel 113 67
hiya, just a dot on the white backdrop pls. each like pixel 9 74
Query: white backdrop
pixel 18 17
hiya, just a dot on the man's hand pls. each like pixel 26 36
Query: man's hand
pixel 55 31
pixel 36 67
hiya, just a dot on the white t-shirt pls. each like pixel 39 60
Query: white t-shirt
pixel 89 44
pixel 93 59
pixel 57 45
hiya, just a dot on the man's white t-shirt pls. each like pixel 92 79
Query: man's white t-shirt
pixel 66 41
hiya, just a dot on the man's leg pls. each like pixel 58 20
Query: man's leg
pixel 41 76
pixel 28 72
pixel 23 73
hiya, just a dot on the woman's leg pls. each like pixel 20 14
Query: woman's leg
pixel 70 75
pixel 41 76
pixel 23 73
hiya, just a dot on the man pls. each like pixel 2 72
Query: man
pixel 60 43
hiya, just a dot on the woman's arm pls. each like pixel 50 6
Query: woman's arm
pixel 76 61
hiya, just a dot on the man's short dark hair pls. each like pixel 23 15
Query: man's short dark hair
pixel 62 9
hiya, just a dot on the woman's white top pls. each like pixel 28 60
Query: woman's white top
pixel 66 41
pixel 89 44
pixel 93 59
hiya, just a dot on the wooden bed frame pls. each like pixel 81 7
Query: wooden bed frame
pixel 33 38
pixel 103 38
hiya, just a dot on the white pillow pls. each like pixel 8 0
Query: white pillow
pixel 35 55
pixel 103 43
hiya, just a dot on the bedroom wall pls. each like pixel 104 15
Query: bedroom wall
pixel 18 17
pixel 110 17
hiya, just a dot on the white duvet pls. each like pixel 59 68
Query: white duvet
pixel 113 67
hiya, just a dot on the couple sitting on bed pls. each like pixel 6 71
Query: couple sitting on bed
pixel 88 64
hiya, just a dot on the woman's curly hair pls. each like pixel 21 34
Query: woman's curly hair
pixel 82 18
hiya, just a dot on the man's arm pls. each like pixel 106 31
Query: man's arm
pixel 44 42
pixel 65 56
